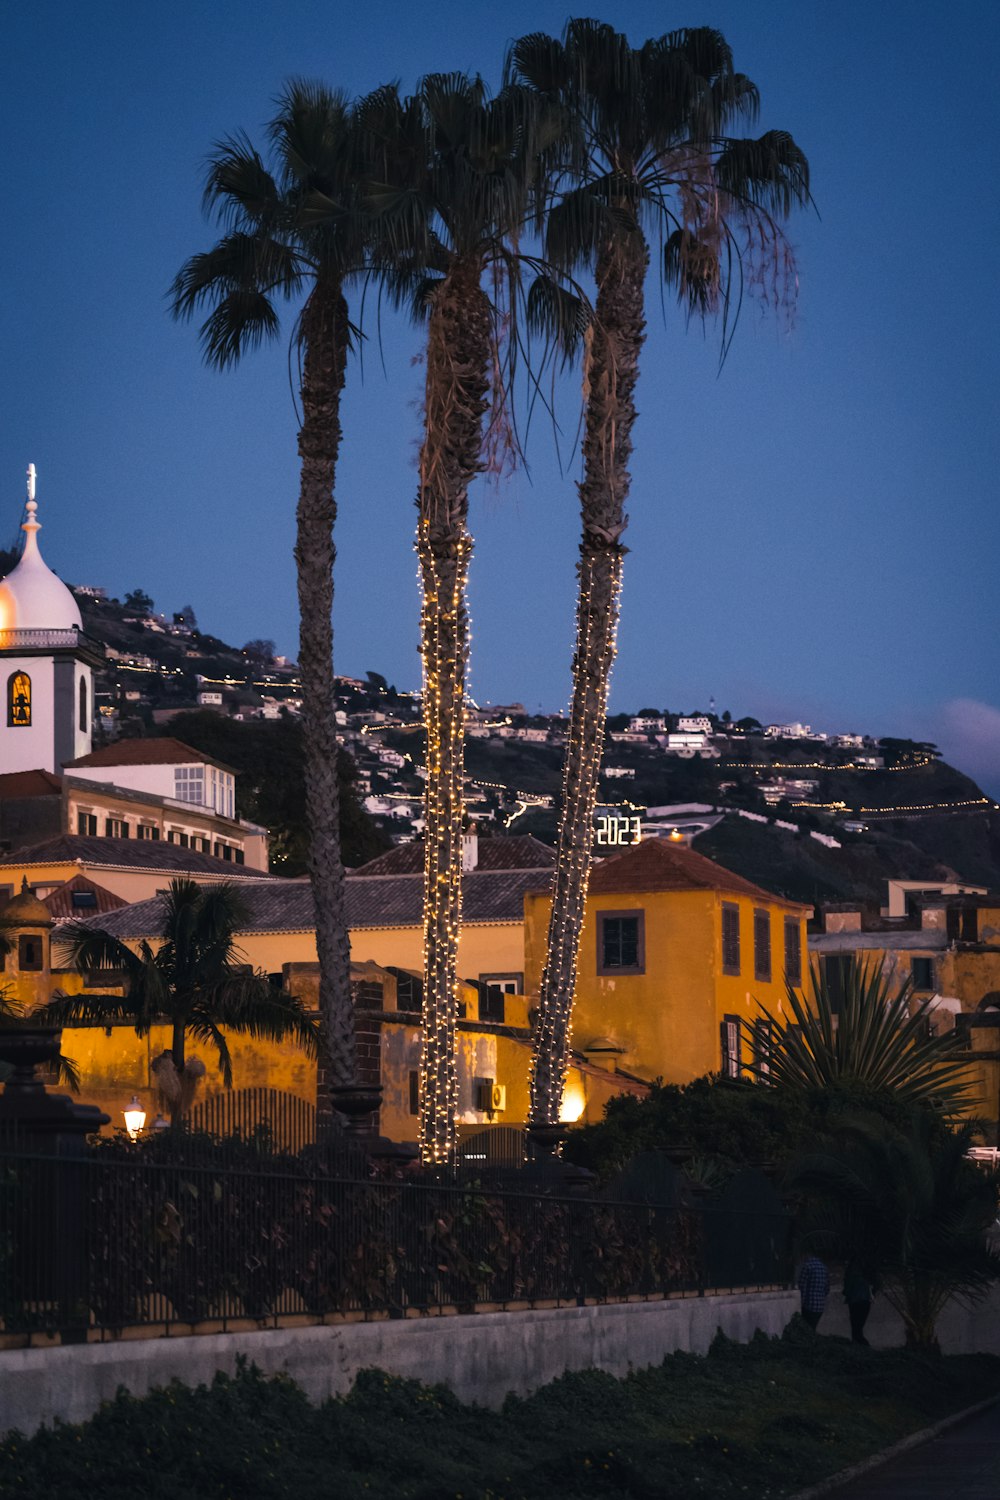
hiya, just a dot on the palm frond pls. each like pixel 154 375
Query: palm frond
pixel 865 1037
pixel 771 172
pixel 561 316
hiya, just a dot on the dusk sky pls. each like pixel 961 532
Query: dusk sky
pixel 814 530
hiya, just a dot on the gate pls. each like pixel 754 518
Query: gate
pixel 290 1121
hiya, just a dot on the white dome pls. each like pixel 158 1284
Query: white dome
pixel 31 596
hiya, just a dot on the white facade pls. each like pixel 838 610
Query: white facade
pixel 197 783
pixel 46 675
pixel 647 724
pixel 695 724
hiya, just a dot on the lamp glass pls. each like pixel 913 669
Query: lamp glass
pixel 135 1117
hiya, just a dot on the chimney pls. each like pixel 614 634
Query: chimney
pixel 470 848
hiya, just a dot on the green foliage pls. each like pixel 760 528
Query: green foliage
pixel 908 1207
pixel 138 602
pixel 741 1124
pixel 865 1036
pixel 761 1419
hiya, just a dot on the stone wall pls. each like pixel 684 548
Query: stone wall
pixel 481 1356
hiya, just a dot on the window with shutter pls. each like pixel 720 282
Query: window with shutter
pixel 793 952
pixel 762 945
pixel 730 938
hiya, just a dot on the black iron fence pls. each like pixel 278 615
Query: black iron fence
pixel 100 1243
pixel 289 1122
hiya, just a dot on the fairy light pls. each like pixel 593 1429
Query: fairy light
pixel 597 622
pixel 445 637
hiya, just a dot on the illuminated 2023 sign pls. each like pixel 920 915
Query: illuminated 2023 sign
pixel 616 833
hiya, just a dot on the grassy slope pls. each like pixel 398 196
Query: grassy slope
pixel 756 1421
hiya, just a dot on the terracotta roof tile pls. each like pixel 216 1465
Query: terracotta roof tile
pixel 61 905
pixel 136 854
pixel 29 784
pixel 164 751
pixel 658 865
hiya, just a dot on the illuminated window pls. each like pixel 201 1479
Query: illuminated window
pixel 730 938
pixel 19 701
pixel 620 942
pixel 761 944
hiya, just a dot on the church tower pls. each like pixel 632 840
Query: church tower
pixel 46 663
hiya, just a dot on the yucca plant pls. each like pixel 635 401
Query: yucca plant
pixel 909 1207
pixel 865 1037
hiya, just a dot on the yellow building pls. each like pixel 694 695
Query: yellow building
pixel 676 953
pixel 947 943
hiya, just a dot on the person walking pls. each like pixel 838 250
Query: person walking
pixel 814 1286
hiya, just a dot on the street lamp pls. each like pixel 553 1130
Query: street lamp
pixel 135 1117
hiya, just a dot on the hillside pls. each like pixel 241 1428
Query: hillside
pixel 907 813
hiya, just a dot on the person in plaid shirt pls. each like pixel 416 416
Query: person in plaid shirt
pixel 814 1285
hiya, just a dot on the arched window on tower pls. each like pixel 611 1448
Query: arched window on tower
pixel 19 701
pixel 83 705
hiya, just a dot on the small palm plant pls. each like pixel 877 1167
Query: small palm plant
pixel 910 1207
pixel 193 980
pixel 865 1037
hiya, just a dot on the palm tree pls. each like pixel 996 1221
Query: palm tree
pixel 452 170
pixel 298 229
pixel 863 1037
pixel 909 1207
pixel 194 980
pixel 650 155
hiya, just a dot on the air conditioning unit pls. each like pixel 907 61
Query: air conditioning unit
pixel 492 1097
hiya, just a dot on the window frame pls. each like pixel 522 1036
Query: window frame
pixel 922 958
pixel 495 981
pixel 731 909
pixel 731 1058
pixel 762 971
pixel 22 945
pixel 792 924
pixel 16 676
pixel 636 914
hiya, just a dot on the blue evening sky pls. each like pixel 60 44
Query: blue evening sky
pixel 814 531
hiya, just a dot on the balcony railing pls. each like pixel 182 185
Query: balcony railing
pixel 34 640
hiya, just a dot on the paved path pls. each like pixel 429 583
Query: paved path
pixel 962 1464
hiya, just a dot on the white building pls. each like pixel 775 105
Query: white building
pixel 788 731
pixel 647 724
pixel 46 663
pixel 695 724
pixel 620 773
pixel 687 740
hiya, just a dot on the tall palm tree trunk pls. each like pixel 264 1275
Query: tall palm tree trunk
pixel 458 362
pixel 325 335
pixel 612 370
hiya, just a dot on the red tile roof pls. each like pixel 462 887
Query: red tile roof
pixel 162 751
pixel 658 865
pixel 60 901
pixel 29 784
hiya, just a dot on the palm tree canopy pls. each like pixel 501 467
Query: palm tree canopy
pixel 287 223
pixel 450 175
pixel 865 1036
pixel 194 979
pixel 650 153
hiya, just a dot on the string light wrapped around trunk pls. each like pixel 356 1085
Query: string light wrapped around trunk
pixel 445 637
pixel 597 620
